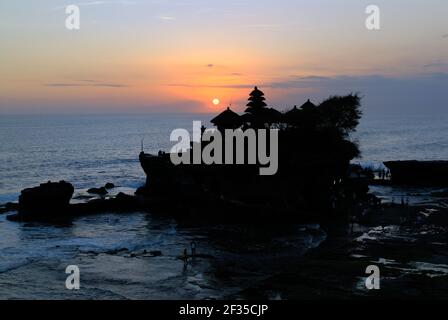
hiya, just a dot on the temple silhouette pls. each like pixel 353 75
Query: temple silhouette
pixel 314 173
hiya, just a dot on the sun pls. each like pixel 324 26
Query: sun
pixel 216 101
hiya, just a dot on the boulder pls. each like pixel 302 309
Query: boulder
pixel 99 191
pixel 8 207
pixel 120 203
pixel 155 253
pixel 142 191
pixel 109 185
pixel 124 202
pixel 47 199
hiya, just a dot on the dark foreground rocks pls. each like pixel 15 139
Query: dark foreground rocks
pixel 51 202
pixel 109 185
pixel 8 207
pixel 102 191
pixel 47 199
pixel 99 191
pixel 407 243
pixel 121 203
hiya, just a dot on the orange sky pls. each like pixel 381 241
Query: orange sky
pixel 177 56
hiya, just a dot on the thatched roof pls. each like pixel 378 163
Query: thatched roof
pixel 247 118
pixel 227 118
pixel 265 115
pixel 308 105
pixel 293 115
pixel 294 111
pixel 272 115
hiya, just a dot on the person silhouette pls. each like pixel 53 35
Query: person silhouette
pixel 184 257
pixel 193 248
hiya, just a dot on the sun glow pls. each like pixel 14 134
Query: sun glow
pixel 216 101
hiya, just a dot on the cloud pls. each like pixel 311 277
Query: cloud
pixel 417 94
pixel 223 86
pixel 269 26
pixel 210 65
pixel 300 82
pixel 166 18
pixel 292 82
pixel 436 64
pixel 86 83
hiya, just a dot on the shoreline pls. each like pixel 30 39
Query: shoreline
pixel 412 255
pixel 407 241
pixel 413 259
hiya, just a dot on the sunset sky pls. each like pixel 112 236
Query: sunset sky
pixel 180 55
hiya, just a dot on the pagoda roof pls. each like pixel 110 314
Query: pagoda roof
pixel 257 93
pixel 256 104
pixel 252 98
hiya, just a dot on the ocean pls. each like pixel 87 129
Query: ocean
pixel 402 137
pixel 91 150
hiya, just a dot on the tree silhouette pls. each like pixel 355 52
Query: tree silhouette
pixel 341 113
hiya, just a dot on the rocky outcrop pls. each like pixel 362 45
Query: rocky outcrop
pixel 109 185
pixel 8 207
pixel 99 191
pixel 51 202
pixel 48 199
pixel 120 203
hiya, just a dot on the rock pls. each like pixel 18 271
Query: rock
pixel 99 191
pixel 10 206
pixel 121 203
pixel 83 197
pixel 145 254
pixel 50 202
pixel 155 253
pixel 47 199
pixel 440 194
pixel 126 202
pixel 142 191
pixel 109 185
pixel 117 251
pixel 15 218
